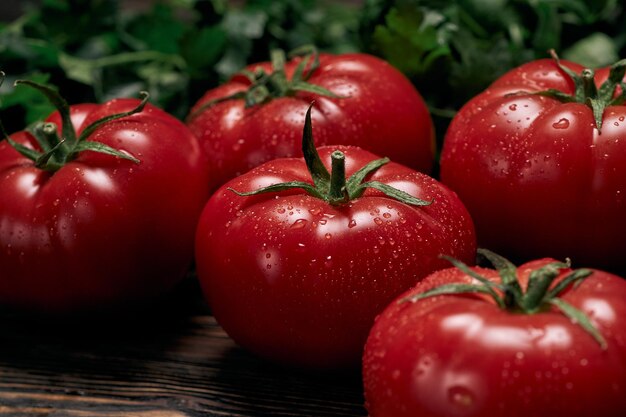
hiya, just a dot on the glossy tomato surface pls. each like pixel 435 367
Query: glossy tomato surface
pixel 537 176
pixel 380 111
pixel 462 356
pixel 299 281
pixel 101 230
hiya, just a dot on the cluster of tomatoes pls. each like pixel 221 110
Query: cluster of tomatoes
pixel 300 257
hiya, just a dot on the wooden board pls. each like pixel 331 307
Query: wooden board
pixel 167 361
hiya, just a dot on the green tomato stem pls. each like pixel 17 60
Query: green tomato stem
pixel 537 297
pixel 67 129
pixel 334 187
pixel 589 86
pixel 586 90
pixel 49 131
pixel 338 193
pixel 57 151
pixel 265 87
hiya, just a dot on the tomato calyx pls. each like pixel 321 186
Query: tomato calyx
pixel 57 150
pixel 333 187
pixel 539 295
pixel 265 87
pixel 586 91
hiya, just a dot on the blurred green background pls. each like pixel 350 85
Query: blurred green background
pixel 94 50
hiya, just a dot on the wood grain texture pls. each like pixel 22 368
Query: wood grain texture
pixel 167 361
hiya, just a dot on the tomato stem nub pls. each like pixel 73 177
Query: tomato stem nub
pixel 338 193
pixel 589 85
pixel 46 134
pixel 49 130
pixel 509 295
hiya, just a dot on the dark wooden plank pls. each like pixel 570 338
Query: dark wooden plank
pixel 173 360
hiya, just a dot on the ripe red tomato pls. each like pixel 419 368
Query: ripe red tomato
pixel 298 279
pixel 100 229
pixel 380 111
pixel 462 355
pixel 537 174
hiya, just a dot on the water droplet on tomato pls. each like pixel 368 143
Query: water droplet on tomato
pixel 513 107
pixel 280 210
pixel 299 224
pixel 315 211
pixel 352 223
pixel 378 220
pixel 328 235
pixel 563 123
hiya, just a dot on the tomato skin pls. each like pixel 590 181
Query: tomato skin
pixel 537 169
pixel 381 112
pixel 101 230
pixel 461 355
pixel 299 281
